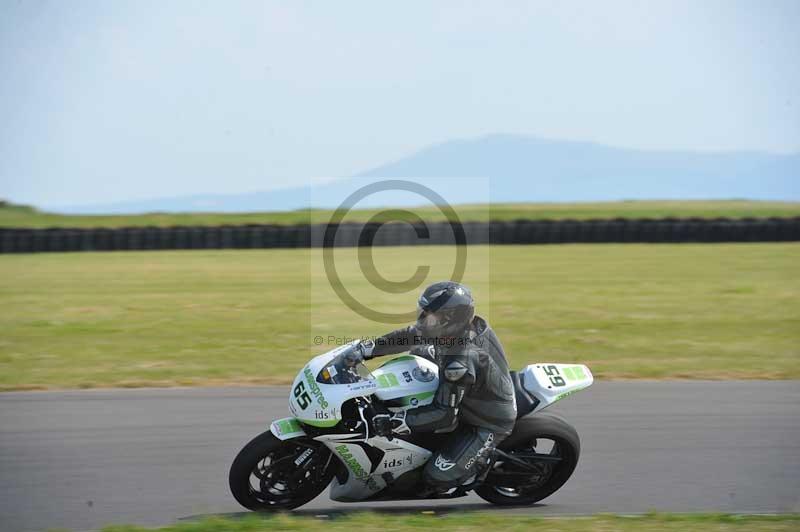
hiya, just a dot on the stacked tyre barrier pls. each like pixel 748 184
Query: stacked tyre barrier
pixel 666 230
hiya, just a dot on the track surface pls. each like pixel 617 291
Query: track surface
pixel 85 459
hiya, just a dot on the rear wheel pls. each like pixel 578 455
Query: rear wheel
pixel 536 460
pixel 269 474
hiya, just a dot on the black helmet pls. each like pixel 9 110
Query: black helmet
pixel 445 309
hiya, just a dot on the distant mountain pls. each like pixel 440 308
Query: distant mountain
pixel 510 168
pixel 532 169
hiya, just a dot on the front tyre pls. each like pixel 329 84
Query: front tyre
pixel 543 451
pixel 270 475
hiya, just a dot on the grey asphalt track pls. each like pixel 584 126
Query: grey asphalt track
pixel 85 459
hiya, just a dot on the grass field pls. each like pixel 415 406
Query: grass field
pixel 219 317
pixel 20 216
pixel 490 521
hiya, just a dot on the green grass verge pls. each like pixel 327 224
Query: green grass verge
pixel 20 216
pixel 168 318
pixel 489 521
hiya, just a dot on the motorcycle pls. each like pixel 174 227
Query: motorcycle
pixel 327 440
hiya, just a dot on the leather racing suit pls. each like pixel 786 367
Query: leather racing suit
pixel 475 399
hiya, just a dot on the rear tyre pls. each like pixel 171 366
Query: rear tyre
pixel 270 475
pixel 510 484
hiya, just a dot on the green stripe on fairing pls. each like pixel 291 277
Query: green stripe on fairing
pixel 398 359
pixel 574 373
pixel 288 426
pixel 321 422
pixel 419 397
pixel 563 395
pixel 387 380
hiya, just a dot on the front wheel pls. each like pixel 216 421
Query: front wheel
pixel 535 461
pixel 269 474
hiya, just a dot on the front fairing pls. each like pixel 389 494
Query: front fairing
pixel 319 404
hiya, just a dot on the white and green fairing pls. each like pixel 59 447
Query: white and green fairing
pixel 401 383
pixel 550 382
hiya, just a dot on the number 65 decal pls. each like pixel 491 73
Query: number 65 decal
pixel 555 378
pixel 301 395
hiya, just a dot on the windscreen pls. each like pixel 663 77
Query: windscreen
pixel 346 368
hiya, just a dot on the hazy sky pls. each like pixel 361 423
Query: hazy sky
pixel 116 100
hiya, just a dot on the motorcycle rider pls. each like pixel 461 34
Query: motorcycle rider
pixel 475 398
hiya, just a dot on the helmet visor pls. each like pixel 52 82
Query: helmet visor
pixel 428 322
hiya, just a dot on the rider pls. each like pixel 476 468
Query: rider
pixel 475 398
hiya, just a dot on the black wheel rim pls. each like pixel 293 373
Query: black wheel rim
pixel 541 475
pixel 289 473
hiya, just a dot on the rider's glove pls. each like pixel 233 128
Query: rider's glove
pixel 361 351
pixel 366 347
pixel 424 351
pixel 388 424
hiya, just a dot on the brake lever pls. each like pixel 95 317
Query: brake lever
pixel 367 424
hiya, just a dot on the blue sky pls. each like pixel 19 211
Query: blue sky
pixel 112 101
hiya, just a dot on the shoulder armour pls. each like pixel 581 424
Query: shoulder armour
pixel 455 371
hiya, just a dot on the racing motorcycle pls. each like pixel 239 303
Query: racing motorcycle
pixel 327 440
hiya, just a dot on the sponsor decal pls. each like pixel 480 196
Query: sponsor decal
pixel 423 374
pixel 442 464
pixel 315 391
pixel 356 468
pixel 414 400
pixel 482 452
pixel 368 385
pixel 326 414
pixel 398 462
pixel 302 457
pixel 563 395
